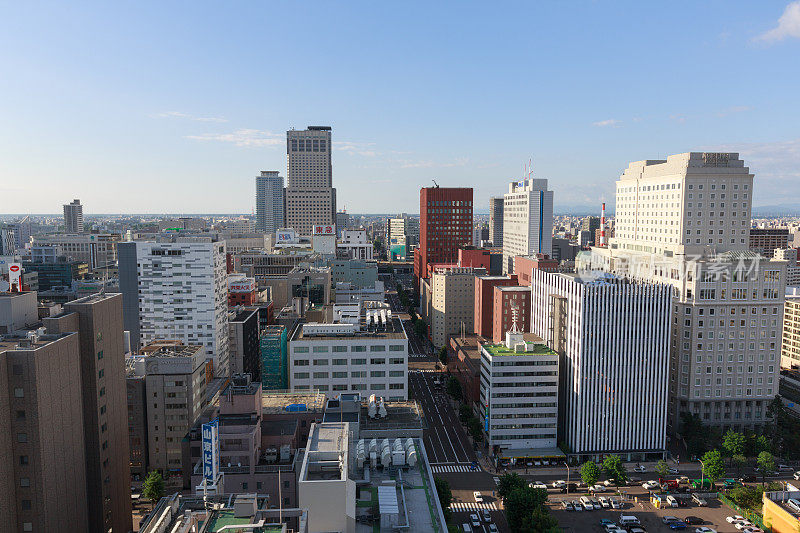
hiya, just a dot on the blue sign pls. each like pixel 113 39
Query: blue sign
pixel 210 450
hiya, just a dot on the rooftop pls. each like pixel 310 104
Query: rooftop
pixel 393 330
pixel 280 402
pixel 533 346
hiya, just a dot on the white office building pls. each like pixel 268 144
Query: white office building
pixel 177 289
pixel 685 221
pixel 354 244
pixel 614 337
pixel 527 221
pixel 270 201
pixel 368 355
pixel 519 395
pixel 310 196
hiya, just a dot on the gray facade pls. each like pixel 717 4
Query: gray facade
pixel 270 199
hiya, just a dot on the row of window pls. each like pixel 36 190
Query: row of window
pixel 353 362
pixel 353 348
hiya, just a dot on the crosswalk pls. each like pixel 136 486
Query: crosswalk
pixel 417 355
pixel 444 469
pixel 472 506
pixel 426 370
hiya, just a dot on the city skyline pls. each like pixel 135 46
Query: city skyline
pixel 414 121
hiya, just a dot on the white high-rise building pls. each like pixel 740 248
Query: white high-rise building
pixel 177 289
pixel 685 221
pixel 73 217
pixel 614 337
pixel 310 196
pixel 270 199
pixel 527 220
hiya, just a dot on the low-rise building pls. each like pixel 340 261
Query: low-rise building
pixel 355 244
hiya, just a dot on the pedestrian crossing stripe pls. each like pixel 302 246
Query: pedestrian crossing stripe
pixel 473 506
pixel 442 469
pixel 425 370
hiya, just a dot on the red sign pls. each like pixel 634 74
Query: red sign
pixel 14 268
pixel 328 229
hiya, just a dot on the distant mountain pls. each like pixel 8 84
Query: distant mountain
pixel 777 210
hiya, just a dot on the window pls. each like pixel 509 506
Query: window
pixel 24 482
pixel 99 355
pixel 301 349
pixel 377 348
pixel 320 349
pixel 18 393
pixel 301 362
pixel 320 362
pixel 396 347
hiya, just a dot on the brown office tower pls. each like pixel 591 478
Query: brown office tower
pixel 445 225
pixel 98 321
pixel 42 474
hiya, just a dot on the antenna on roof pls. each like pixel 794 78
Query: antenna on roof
pixel 434 182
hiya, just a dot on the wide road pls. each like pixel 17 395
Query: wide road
pixel 451 454
pixel 417 349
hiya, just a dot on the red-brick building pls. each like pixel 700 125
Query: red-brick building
pixel 445 225
pixel 506 299
pixel 484 301
pixel 523 265
pixel 241 290
pixel 474 257
pixel 465 365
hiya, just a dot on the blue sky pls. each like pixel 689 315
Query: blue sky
pixel 175 107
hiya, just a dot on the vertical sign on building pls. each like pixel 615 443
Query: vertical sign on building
pixel 14 273
pixel 210 451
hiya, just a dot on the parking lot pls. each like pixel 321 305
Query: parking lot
pixel 651 518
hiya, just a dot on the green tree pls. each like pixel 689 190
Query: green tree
pixel 443 355
pixel 421 329
pixel 766 463
pixel 153 488
pixel 590 473
pixel 539 521
pixel 454 388
pixel 465 413
pixel 762 444
pixel 509 483
pixel 739 461
pixel 521 502
pixel 713 466
pixel 733 443
pixel 615 470
pixel 662 468
pixel 444 492
pixel 693 433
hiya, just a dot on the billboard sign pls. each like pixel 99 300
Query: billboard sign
pixel 14 273
pixel 242 286
pixel 285 236
pixel 326 229
pixel 210 451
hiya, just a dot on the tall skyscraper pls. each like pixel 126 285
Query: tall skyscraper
pixel 177 288
pixel 496 220
pixel 527 220
pixel 98 321
pixel 445 224
pixel 310 196
pixel 73 217
pixel 685 221
pixel 270 201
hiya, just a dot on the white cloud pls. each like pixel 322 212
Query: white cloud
pixel 355 148
pixel 178 114
pixel 610 122
pixel 788 25
pixel 244 137
pixel 734 109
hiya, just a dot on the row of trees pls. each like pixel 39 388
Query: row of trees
pixel 612 466
pixel 469 419
pixel 524 505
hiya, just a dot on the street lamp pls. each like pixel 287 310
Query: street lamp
pixel 702 473
pixel 567 465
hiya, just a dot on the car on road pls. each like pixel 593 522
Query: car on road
pixel 535 463
pixel 672 470
pixel 669 519
pixel 558 484
pixel 486 516
pixel 478 496
pixel 537 485
pixel 496 480
pixel 569 487
pixel 476 522
pixel 784 468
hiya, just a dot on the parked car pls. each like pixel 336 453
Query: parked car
pixel 567 505
pixel 753 529
pixel 605 502
pixel 680 524
pixel 606 522
pixel 796 475
pixel 558 484
pixel 537 485
pixel 699 501
pixel 784 468
pixel 476 522
pixel 650 485
pixel 577 506
pixel 704 529
pixel 669 519
pixel 742 524
pixel 596 505
pixel 639 468
pixel 616 503
pixel 486 516
pixel 478 497
pixel 694 520
pixel 733 519
pixel 492 528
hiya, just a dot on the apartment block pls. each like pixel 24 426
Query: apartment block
pixel 243 342
pixel 766 240
pixel 270 201
pixel 73 217
pixel 496 221
pixel 448 307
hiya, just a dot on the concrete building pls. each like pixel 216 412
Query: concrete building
pixel 358 273
pixel 177 288
pixel 243 343
pixel 445 225
pixel 524 265
pixel 527 220
pixel 790 347
pixel 98 321
pixel 310 196
pixel 591 224
pixel 172 377
pixel 273 352
pixel 766 240
pixel 270 202
pixel 73 217
pixel 98 250
pixel 241 290
pixel 512 305
pixel 355 244
pixel 519 400
pixel 17 312
pixel 496 221
pixel 368 357
pixel 613 336
pixel 448 298
pixel 465 365
pixel 484 302
pixel 43 473
pixel 792 265
pixel 727 319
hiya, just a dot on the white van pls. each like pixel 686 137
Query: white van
pixel 794 504
pixel 672 501
pixel 587 503
pixel 628 520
